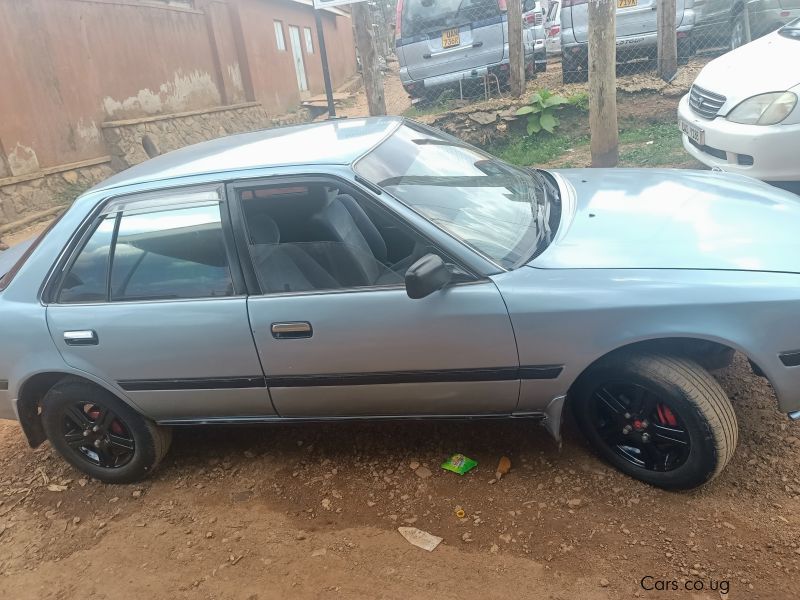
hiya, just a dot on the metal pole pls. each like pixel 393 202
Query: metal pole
pixel 323 53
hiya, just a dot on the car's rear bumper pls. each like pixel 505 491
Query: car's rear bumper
pixel 772 149
pixel 630 46
pixel 553 45
pixel 415 87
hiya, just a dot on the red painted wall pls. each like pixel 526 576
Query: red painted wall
pixel 70 65
pixel 274 78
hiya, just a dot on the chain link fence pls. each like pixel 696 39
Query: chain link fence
pixel 703 29
pixel 456 50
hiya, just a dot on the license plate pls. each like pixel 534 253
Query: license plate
pixel 692 132
pixel 451 37
pixel 626 3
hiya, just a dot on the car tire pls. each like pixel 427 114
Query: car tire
pixel 119 445
pixel 688 422
pixel 738 31
pixel 540 67
pixel 571 71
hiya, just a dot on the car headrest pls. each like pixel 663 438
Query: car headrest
pixel 263 230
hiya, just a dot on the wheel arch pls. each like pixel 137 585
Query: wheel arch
pixel 32 391
pixel 698 348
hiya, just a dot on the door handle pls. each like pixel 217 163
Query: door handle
pixel 292 330
pixel 81 337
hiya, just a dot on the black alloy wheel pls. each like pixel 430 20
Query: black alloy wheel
pixel 639 426
pixel 659 418
pixel 97 434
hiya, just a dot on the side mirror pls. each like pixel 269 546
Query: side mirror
pixel 427 275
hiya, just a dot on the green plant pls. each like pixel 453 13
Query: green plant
pixel 580 101
pixel 541 111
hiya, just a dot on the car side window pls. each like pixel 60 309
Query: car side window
pixel 172 253
pixel 157 252
pixel 87 279
pixel 311 237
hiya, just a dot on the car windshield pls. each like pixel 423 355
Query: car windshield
pixel 425 16
pixel 504 212
pixel 791 31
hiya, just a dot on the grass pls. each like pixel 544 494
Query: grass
pixel 642 145
pixel 532 150
pixel 443 103
pixel 424 109
pixel 654 145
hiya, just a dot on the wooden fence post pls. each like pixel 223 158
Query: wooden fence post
pixel 603 83
pixel 516 53
pixel 667 40
pixel 370 69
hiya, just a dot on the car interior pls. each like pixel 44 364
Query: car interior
pixel 320 237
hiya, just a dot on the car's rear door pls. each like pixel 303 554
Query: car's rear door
pixel 450 35
pixel 151 300
pixel 336 349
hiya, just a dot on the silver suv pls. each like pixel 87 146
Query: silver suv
pixel 636 33
pixel 442 43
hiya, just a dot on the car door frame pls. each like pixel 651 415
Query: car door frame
pixel 52 283
pixel 466 259
pixel 247 391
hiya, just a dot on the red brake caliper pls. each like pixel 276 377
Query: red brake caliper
pixel 665 416
pixel 116 427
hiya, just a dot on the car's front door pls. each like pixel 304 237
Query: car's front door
pixel 336 332
pixel 151 302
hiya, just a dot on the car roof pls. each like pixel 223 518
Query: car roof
pixel 336 142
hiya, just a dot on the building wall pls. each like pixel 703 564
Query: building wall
pixel 71 67
pixel 268 62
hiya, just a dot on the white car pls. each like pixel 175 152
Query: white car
pixel 552 25
pixel 742 112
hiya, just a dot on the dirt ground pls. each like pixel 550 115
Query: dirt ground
pixel 395 97
pixel 312 512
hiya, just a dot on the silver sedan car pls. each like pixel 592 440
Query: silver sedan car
pixel 380 269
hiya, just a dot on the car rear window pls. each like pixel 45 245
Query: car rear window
pixel 426 16
pixel 5 278
pixel 151 254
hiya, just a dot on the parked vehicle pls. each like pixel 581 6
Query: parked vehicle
pixel 440 43
pixel 741 113
pixel 532 13
pixel 552 26
pixel 377 268
pixel 636 33
pixel 533 18
pixel 722 22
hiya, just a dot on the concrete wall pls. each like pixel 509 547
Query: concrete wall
pixel 69 67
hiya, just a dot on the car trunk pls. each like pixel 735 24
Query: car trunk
pixel 448 36
pixel 634 17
